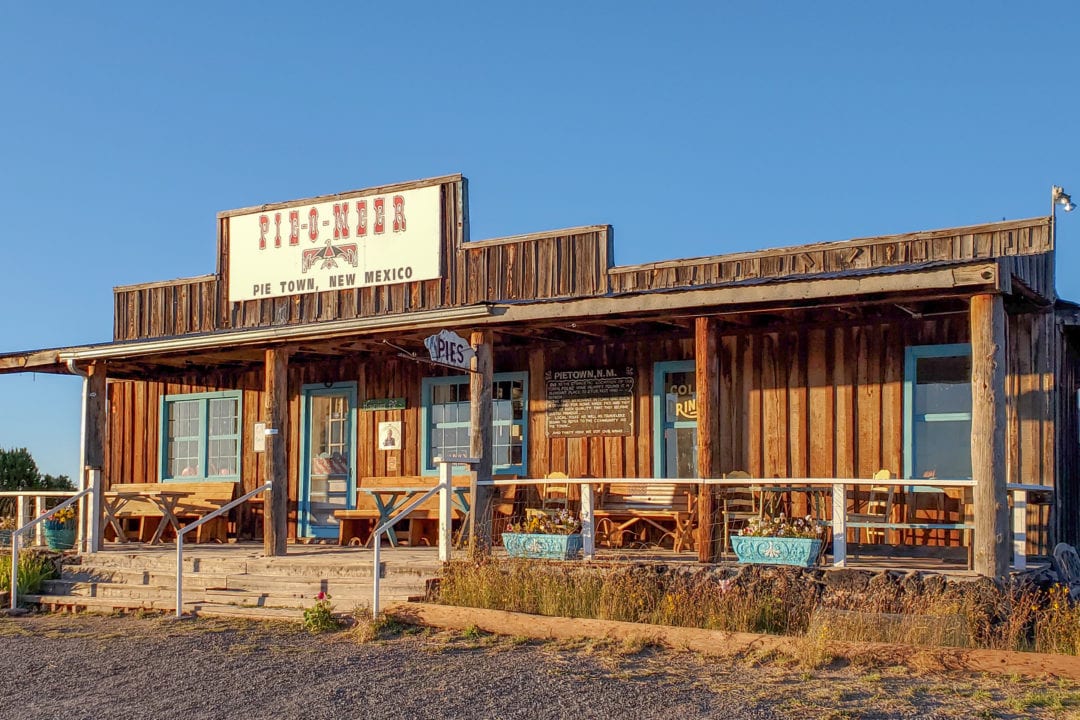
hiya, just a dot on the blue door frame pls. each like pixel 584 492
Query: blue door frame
pixel 306 528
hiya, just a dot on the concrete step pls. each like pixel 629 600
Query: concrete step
pixel 346 566
pixel 198 607
pixel 294 584
pixel 156 595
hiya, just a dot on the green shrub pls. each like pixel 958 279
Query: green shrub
pixel 320 618
pixel 34 569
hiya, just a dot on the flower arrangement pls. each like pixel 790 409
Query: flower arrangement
pixel 62 517
pixel 560 522
pixel 780 526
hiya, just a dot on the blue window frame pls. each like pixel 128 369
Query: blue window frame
pixel 200 437
pixel 674 419
pixel 937 411
pixel 444 417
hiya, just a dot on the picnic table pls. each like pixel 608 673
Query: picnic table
pixel 390 499
pixel 165 501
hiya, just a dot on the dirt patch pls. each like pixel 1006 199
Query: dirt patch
pixel 75 667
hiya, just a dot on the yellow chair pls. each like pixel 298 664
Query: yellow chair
pixel 878 509
pixel 555 496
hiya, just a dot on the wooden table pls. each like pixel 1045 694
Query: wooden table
pixel 164 500
pixel 389 500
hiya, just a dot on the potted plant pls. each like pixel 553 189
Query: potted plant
pixel 545 535
pixel 779 541
pixel 7 527
pixel 60 529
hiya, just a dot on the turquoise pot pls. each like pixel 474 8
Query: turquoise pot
pixel 540 546
pixel 59 536
pixel 777 550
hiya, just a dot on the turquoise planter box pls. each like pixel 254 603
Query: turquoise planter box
pixel 542 547
pixel 777 550
pixel 59 536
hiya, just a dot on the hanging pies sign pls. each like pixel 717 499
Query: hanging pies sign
pixel 449 348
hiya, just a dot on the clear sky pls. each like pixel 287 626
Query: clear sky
pixel 693 128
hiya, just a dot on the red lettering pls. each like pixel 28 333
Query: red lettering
pixel 361 218
pixel 294 227
pixel 399 213
pixel 341 220
pixel 380 215
pixel 277 229
pixel 313 224
pixel 264 225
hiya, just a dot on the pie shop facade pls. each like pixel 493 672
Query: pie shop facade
pixel 933 354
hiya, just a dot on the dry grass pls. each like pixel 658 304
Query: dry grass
pixel 910 609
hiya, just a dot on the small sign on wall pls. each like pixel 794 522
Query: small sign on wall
pixel 390 435
pixel 259 437
pixel 374 404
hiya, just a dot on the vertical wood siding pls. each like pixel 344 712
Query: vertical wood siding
pixel 822 401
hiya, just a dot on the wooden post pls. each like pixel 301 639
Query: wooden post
pixel 276 406
pixel 480 445
pixel 988 435
pixel 707 371
pixel 96 422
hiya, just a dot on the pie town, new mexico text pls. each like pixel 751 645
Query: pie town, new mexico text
pixel 335 245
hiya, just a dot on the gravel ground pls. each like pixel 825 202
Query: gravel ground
pixel 74 667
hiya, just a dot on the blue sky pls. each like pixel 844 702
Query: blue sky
pixel 693 128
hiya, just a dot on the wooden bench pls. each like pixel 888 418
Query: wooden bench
pixel 355 525
pixel 151 504
pixel 621 506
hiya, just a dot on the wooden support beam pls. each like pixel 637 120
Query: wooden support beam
pixel 707 370
pixel 480 442
pixel 988 435
pixel 96 423
pixel 276 416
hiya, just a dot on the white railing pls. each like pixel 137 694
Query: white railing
pixel 837 486
pixel 446 493
pixel 22 498
pixel 45 515
pixel 198 523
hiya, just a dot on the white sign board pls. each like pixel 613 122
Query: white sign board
pixel 449 348
pixel 336 245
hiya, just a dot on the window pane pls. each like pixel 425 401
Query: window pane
pixel 680 393
pixel 942 449
pixel 943 385
pixel 223 416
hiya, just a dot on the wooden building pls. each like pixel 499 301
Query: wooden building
pixel 942 353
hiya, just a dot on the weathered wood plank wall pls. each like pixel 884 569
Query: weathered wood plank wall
pixel 1023 237
pixel 811 401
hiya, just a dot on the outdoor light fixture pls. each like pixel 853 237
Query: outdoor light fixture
pixel 1058 196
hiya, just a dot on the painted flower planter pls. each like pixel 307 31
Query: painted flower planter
pixel 59 536
pixel 542 546
pixel 777 550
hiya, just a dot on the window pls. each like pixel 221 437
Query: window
pixel 675 419
pixel 201 437
pixel 445 418
pixel 937 407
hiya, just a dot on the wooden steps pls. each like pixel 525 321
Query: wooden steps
pixel 225 584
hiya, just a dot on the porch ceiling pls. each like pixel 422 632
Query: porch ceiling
pixel 846 297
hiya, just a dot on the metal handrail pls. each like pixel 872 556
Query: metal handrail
pixel 187 528
pixel 377 541
pixel 15 540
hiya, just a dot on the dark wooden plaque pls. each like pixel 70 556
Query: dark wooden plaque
pixel 590 402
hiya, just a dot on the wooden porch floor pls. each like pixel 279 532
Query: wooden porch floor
pixel 425 560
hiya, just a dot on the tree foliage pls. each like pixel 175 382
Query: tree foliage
pixel 18 471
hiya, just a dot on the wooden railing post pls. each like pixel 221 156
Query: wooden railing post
pixel 96 424
pixel 276 402
pixel 707 371
pixel 987 317
pixel 480 445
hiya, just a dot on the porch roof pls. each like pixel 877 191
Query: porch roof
pixel 932 279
